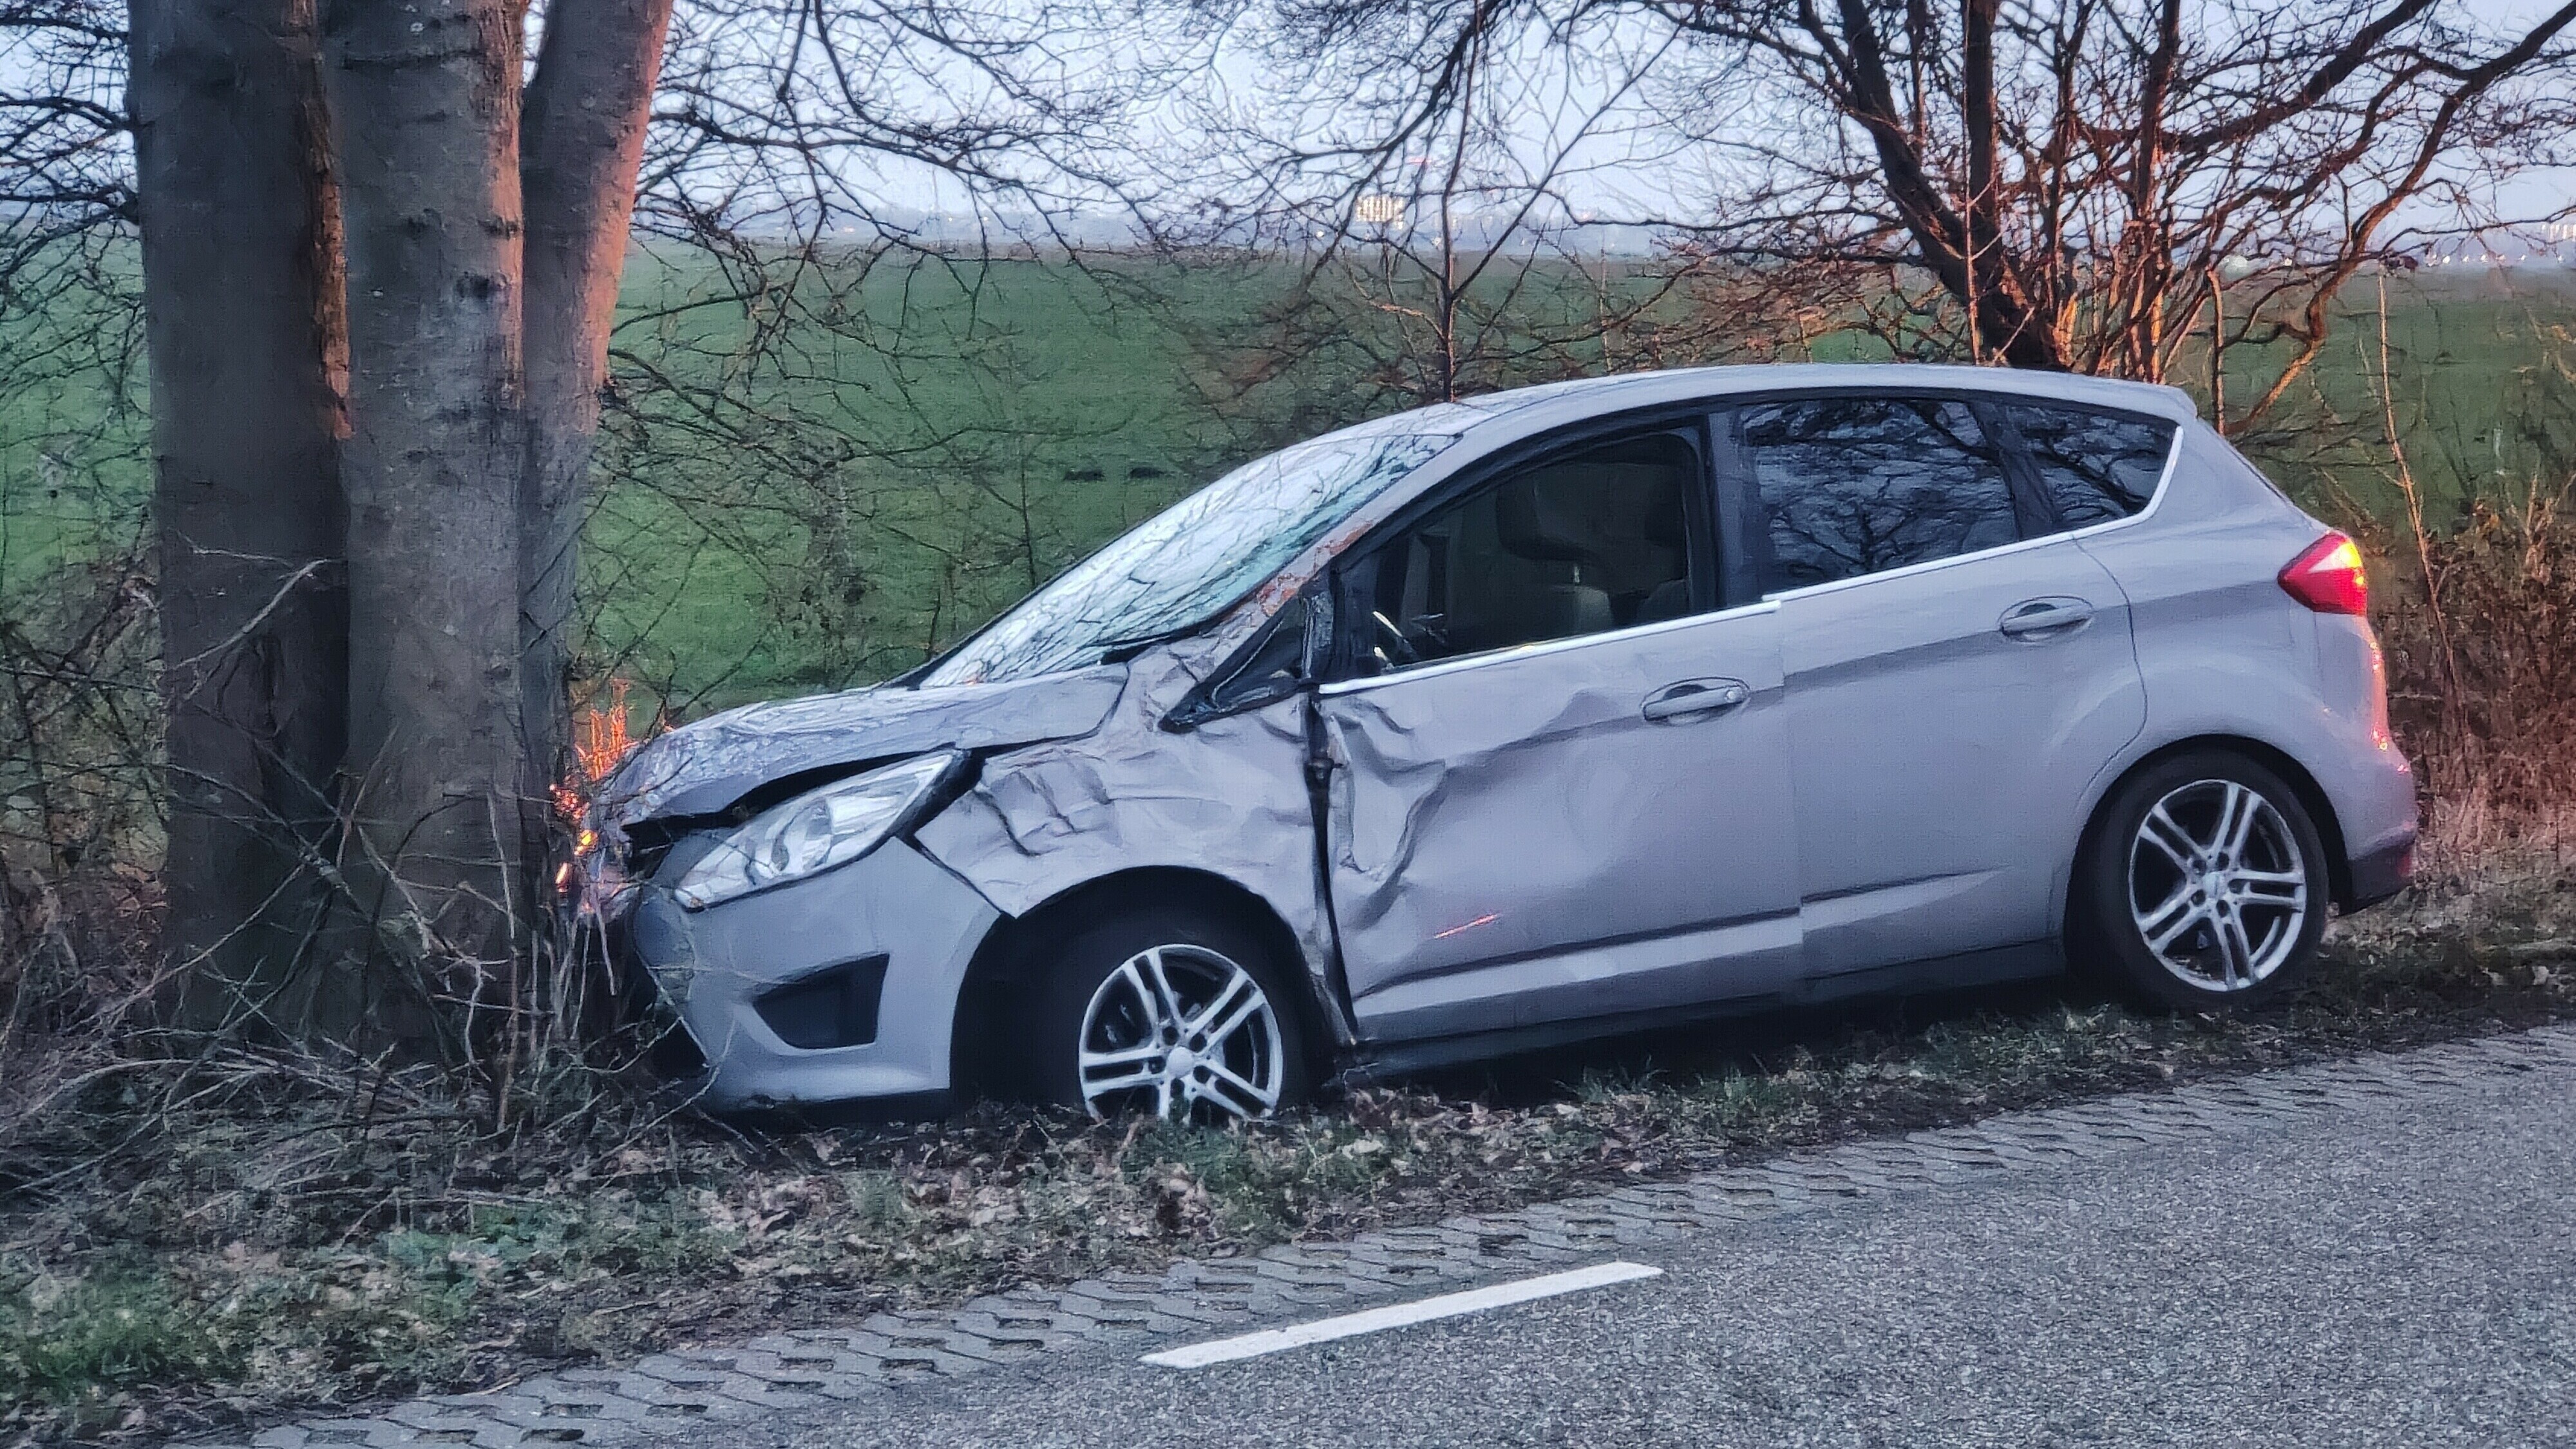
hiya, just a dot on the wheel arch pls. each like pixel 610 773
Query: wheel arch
pixel 2312 798
pixel 1013 953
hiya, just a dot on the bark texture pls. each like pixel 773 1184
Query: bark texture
pixel 582 141
pixel 242 294
pixel 424 101
pixel 372 445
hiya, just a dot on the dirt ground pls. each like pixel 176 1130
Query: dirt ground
pixel 256 1239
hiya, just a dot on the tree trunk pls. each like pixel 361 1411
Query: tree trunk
pixel 584 139
pixel 424 101
pixel 1944 239
pixel 241 278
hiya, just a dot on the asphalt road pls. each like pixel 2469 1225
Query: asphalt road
pixel 2403 1275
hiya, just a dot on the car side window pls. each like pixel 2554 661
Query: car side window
pixel 1847 486
pixel 1576 544
pixel 2095 467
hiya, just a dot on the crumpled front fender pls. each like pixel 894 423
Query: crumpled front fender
pixel 1227 799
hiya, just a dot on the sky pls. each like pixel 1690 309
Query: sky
pixel 1619 168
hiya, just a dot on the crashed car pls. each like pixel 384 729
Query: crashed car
pixel 1553 713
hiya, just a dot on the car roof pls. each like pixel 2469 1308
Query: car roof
pixel 1530 409
pixel 1477 428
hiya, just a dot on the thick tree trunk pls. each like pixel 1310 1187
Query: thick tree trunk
pixel 584 138
pixel 424 101
pixel 242 300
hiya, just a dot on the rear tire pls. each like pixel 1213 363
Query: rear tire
pixel 1166 1009
pixel 2203 886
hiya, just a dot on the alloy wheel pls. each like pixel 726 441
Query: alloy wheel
pixel 2218 887
pixel 1182 1032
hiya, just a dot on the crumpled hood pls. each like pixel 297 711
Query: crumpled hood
pixel 700 768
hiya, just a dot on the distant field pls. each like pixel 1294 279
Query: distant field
pixel 788 507
pixel 924 450
pixel 2482 384
pixel 1033 411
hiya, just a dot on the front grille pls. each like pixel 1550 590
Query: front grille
pixel 648 844
pixel 674 1055
pixel 642 1009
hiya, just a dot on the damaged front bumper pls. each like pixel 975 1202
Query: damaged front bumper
pixel 841 986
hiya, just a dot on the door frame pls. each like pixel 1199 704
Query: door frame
pixel 1738 502
pixel 1350 584
pixel 2043 527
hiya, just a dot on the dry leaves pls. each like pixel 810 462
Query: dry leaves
pixel 261 1254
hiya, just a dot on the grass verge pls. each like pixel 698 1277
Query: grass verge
pixel 288 1245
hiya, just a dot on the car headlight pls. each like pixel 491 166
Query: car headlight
pixel 815 831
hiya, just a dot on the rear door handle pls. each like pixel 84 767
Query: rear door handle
pixel 2050 618
pixel 1696 697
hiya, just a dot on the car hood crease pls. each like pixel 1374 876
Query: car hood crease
pixel 702 767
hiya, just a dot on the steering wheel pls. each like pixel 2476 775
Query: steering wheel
pixel 1392 638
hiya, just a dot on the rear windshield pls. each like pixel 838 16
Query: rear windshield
pixel 1192 561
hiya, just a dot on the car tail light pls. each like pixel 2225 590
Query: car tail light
pixel 2328 577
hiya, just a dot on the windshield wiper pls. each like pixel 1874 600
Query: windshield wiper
pixel 1119 651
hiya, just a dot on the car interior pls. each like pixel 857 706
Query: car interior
pixel 1575 545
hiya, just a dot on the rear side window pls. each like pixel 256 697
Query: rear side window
pixel 1846 486
pixel 2095 467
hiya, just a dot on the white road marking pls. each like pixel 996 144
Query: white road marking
pixel 1375 1320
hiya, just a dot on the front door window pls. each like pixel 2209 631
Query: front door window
pixel 1577 544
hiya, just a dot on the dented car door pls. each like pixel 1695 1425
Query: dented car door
pixel 1530 839
pixel 1559 787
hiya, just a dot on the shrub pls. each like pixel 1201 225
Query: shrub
pixel 2480 635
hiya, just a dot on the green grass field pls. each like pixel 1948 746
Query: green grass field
pixel 815 487
pixel 992 424
pixel 925 444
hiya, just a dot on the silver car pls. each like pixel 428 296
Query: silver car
pixel 1554 713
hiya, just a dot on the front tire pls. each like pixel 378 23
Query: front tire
pixel 2204 887
pixel 1167 1010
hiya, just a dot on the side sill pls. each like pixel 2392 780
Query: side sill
pixel 1374 1062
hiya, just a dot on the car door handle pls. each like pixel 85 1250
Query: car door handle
pixel 1694 697
pixel 2045 618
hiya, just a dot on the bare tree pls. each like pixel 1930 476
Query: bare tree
pixel 1448 198
pixel 2097 185
pixel 587 113
pixel 1465 272
pixel 789 392
pixel 488 224
pixel 484 259
pixel 2081 178
pixel 64 163
pixel 1452 248
pixel 424 106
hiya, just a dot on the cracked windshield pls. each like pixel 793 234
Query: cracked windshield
pixel 1187 564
